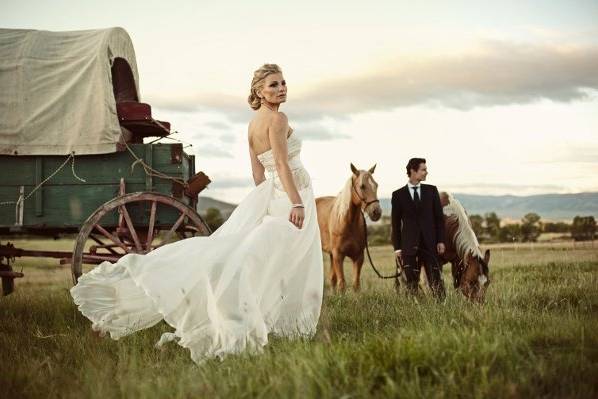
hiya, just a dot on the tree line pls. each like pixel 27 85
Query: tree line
pixel 488 228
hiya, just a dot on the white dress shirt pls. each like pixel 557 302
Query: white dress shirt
pixel 412 192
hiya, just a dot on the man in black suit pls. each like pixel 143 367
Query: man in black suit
pixel 418 228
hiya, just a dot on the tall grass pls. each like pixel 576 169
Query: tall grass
pixel 536 336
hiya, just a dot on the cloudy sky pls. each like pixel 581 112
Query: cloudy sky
pixel 501 97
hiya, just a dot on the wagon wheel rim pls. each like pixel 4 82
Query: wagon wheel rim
pixel 127 237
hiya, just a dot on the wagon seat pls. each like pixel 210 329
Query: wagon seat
pixel 135 117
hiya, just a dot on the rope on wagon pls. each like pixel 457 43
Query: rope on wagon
pixel 24 198
pixel 151 171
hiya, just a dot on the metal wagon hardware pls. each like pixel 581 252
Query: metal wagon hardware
pixel 72 153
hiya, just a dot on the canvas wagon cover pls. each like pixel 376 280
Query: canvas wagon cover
pixel 56 93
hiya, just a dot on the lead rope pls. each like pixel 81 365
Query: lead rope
pixel 398 262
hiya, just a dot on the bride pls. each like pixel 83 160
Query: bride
pixel 259 273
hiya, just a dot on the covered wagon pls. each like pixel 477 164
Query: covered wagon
pixel 75 153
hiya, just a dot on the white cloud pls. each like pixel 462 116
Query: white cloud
pixel 317 131
pixel 232 182
pixel 492 73
pixel 495 73
pixel 219 125
pixel 212 151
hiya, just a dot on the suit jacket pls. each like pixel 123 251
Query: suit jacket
pixel 409 221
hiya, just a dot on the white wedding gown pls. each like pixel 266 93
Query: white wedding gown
pixel 257 274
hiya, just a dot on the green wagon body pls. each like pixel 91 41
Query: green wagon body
pixel 63 203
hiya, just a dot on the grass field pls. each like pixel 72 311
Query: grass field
pixel 536 336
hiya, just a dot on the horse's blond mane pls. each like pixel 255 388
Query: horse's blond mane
pixel 465 239
pixel 343 201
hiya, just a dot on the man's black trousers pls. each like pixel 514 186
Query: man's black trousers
pixel 427 256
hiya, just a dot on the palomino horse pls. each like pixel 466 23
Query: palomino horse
pixel 469 266
pixel 342 224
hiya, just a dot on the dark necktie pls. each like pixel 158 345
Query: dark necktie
pixel 415 195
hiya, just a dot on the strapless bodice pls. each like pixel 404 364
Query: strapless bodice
pixel 293 147
pixel 300 175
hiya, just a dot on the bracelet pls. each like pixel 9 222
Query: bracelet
pixel 297 206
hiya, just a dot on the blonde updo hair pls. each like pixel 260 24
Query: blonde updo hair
pixel 258 82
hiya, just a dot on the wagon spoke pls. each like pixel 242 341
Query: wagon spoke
pixel 131 227
pixel 150 229
pixel 121 219
pixel 96 239
pixel 102 244
pixel 110 236
pixel 192 229
pixel 174 227
pixel 198 228
pixel 189 230
pixel 181 235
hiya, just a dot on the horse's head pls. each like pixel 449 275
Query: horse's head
pixel 474 279
pixel 445 199
pixel 365 192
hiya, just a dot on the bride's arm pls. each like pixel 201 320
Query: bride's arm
pixel 257 169
pixel 278 141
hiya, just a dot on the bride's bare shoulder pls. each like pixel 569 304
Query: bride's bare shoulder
pixel 265 124
pixel 279 120
pixel 280 116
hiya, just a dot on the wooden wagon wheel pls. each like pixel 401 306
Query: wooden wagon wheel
pixel 114 241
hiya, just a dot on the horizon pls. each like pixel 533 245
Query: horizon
pixel 500 98
pixel 203 194
pixel 513 214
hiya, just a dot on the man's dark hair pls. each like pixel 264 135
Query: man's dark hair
pixel 413 164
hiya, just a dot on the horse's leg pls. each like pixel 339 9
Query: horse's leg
pixel 332 273
pixel 455 274
pixel 337 261
pixel 357 264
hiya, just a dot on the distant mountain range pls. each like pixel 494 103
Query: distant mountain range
pixel 548 206
pixel 205 203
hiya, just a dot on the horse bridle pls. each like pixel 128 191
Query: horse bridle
pixel 462 267
pixel 363 201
